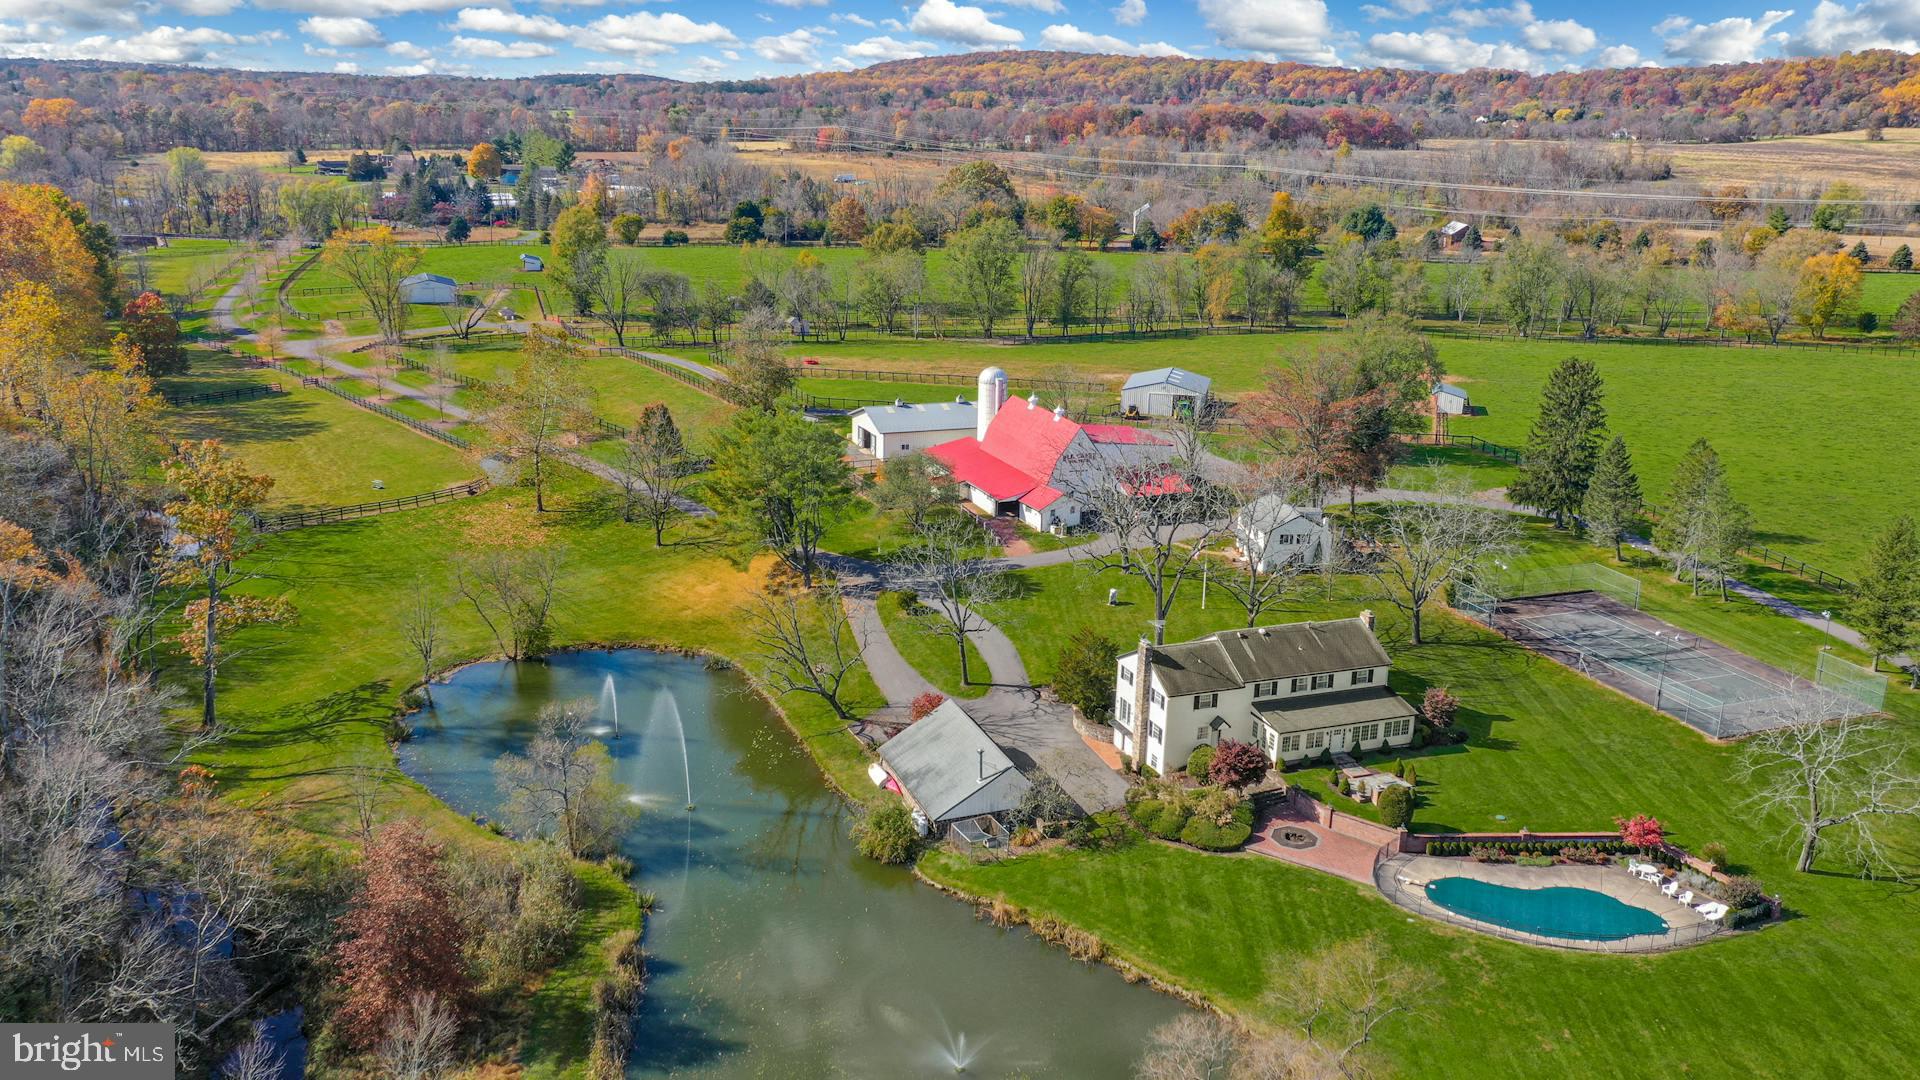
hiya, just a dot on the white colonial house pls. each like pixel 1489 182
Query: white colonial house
pixel 1273 532
pixel 1297 691
pixel 428 289
pixel 1036 464
pixel 1164 392
pixel 1450 399
pixel 887 431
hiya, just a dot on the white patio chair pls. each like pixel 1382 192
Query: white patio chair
pixel 1712 912
pixel 1671 888
pixel 1686 898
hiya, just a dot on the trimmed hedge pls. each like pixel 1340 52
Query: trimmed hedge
pixel 1208 836
pixel 1200 761
pixel 1525 847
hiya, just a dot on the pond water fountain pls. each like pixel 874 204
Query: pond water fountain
pixel 775 948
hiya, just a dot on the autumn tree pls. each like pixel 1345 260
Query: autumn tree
pixel 374 263
pixel 484 163
pixel 213 533
pixel 847 220
pixel 543 405
pixel 399 937
pixel 1307 414
pixel 1828 287
pixel 153 329
pixel 758 375
pixel 579 254
pixel 1906 321
pixel 1287 236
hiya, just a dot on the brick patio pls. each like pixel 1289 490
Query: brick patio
pixel 1336 853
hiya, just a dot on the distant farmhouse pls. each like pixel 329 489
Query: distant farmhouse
pixel 428 289
pixel 1027 462
pixel 1272 532
pixel 1164 391
pixel 888 431
pixel 1297 691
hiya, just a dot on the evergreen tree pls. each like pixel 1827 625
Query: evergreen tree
pixel 1778 221
pixel 1613 501
pixel 1704 527
pixel 526 195
pixel 1564 443
pixel 1901 259
pixel 1860 254
pixel 1885 607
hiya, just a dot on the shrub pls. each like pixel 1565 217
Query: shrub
pixel 1740 892
pixel 1439 706
pixel 1588 854
pixel 1083 674
pixel 1490 854
pixel 1209 834
pixel 672 238
pixel 1714 853
pixel 1217 805
pixel 1200 762
pixel 1169 822
pixel 887 834
pixel 1237 764
pixel 1641 830
pixel 1396 806
pixel 924 704
pixel 1534 860
pixel 1333 778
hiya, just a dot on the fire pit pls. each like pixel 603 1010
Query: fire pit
pixel 1295 837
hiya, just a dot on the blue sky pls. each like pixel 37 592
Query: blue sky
pixel 737 38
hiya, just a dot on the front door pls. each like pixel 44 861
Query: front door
pixel 1337 740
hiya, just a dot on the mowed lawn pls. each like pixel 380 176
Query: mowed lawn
pixel 320 449
pixel 1548 750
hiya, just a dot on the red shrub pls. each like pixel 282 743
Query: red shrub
pixel 399 936
pixel 924 704
pixel 1237 764
pixel 1641 830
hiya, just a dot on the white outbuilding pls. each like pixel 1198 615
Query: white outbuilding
pixel 1164 392
pixel 532 263
pixel 1450 399
pixel 1274 533
pixel 888 431
pixel 428 289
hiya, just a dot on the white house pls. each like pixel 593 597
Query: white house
pixel 1273 532
pixel 532 263
pixel 1297 691
pixel 887 431
pixel 1035 464
pixel 428 289
pixel 949 769
pixel 1163 392
pixel 1450 399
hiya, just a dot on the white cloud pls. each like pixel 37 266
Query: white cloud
pixel 1272 29
pixel 1726 41
pixel 1049 7
pixel 798 3
pixel 1070 38
pixel 424 67
pixel 346 67
pixel 1445 51
pixel 962 23
pixel 1874 24
pixel 1130 12
pixel 160 45
pixel 373 9
pixel 496 21
pixel 793 47
pixel 850 17
pixel 345 32
pixel 1618 56
pixel 1559 36
pixel 70 14
pixel 212 8
pixel 407 50
pixel 646 34
pixel 876 50
pixel 499 50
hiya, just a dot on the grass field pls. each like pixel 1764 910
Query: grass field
pixel 1548 750
pixel 169 268
pixel 933 656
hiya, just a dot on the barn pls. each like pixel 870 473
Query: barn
pixel 428 289
pixel 1450 399
pixel 888 431
pixel 1164 392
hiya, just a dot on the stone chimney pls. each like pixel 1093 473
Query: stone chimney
pixel 1366 619
pixel 1142 674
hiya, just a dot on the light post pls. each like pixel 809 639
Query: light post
pixel 1826 622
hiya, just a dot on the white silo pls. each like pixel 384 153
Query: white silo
pixel 992 391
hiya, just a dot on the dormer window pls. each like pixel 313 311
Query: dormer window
pixel 1266 689
pixel 1206 701
pixel 1323 682
pixel 1362 677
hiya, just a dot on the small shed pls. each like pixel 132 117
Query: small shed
pixel 428 289
pixel 1164 392
pixel 888 431
pixel 1450 399
pixel 951 770
pixel 1453 232
pixel 532 263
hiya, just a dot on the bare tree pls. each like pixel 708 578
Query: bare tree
pixel 1429 543
pixel 616 286
pixel 512 591
pixel 463 317
pixel 655 470
pixel 255 1059
pixel 945 564
pixel 420 625
pixel 1038 268
pixel 803 643
pixel 1340 996
pixel 545 403
pixel 561 785
pixel 420 1040
pixel 1161 503
pixel 1823 774
pixel 1192 1046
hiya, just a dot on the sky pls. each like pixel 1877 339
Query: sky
pixel 717 39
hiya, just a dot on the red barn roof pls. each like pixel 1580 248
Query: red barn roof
pixel 1022 450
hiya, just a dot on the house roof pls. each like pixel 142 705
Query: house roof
pixel 1453 228
pixel 901 417
pixel 1123 435
pixel 950 768
pixel 1363 705
pixel 1450 390
pixel 1179 378
pixel 420 279
pixel 1235 658
pixel 1272 511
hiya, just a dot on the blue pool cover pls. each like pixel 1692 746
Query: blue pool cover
pixel 1561 912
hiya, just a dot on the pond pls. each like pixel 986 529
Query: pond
pixel 1557 911
pixel 776 949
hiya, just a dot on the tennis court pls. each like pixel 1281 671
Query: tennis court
pixel 1717 690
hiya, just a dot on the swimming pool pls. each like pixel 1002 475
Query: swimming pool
pixel 1559 911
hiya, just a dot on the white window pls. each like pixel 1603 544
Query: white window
pixel 1362 677
pixel 1313 740
pixel 1397 728
pixel 1290 744
pixel 1126 675
pixel 1299 685
pixel 1323 682
pixel 1154 695
pixel 1206 701
pixel 1154 734
pixel 1200 733
pixel 1123 710
pixel 1266 689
